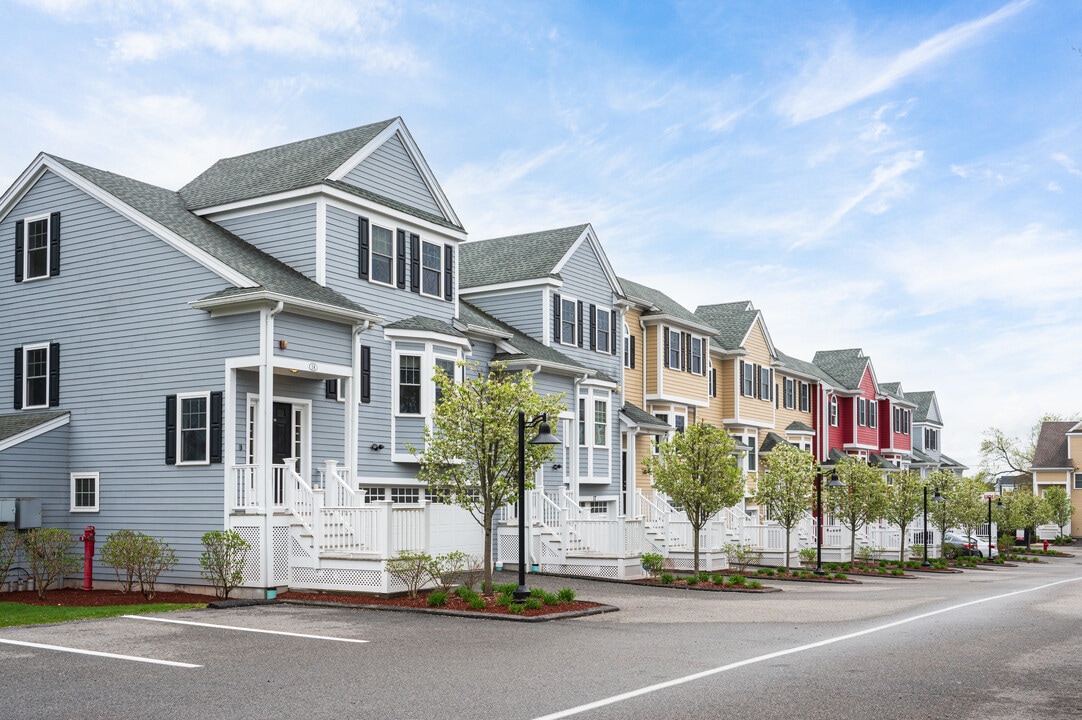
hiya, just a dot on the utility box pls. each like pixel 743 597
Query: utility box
pixel 27 513
pixel 7 511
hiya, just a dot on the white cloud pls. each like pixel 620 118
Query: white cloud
pixel 1067 162
pixel 848 76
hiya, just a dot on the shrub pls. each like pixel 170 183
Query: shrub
pixel 447 570
pixel 550 599
pixel 537 592
pixel 754 584
pixel 155 557
pixel 652 563
pixel 516 608
pixel 704 577
pixel 533 603
pixel 137 557
pixel 717 579
pixel 897 571
pixel 765 572
pixel 666 578
pixel 808 557
pixel 223 560
pixel 121 552
pixel 505 588
pixel 505 599
pixel 48 557
pixel 412 569
pixel 473 572
pixel 741 556
pixel 840 576
pixel 566 595
pixel 864 554
pixel 477 602
pixel 692 579
pixel 437 598
pixel 737 580
pixel 10 540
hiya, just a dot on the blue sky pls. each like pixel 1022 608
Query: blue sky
pixel 891 176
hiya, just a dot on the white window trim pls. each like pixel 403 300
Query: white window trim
pixel 607 349
pixel 804 397
pixel 586 411
pixel 833 412
pixel 679 346
pixel 701 356
pixel 873 414
pixel 26 375
pixel 372 255
pixel 789 393
pixel 1078 481
pixel 748 376
pixel 97 491
pixel 181 397
pixel 862 412
pixel 428 373
pixel 753 442
pixel 26 249
pixel 439 272
pixel 627 346
pixel 574 321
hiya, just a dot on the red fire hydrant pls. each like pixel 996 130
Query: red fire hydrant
pixel 1046 546
pixel 88 557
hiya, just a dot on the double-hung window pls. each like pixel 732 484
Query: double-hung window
pixel 805 397
pixel 37 249
pixel 194 428
pixel 447 365
pixel 1078 481
pixel 713 382
pixel 601 423
pixel 676 348
pixel 594 418
pixel 629 348
pixel 382 261
pixel 747 379
pixel 35 377
pixel 766 383
pixel 658 439
pixel 568 324
pixel 431 268
pixel 602 331
pixel 790 400
pixel 862 411
pixel 834 411
pixel 409 384
pixel 873 413
pixel 84 492
pixel 753 453
pixel 697 356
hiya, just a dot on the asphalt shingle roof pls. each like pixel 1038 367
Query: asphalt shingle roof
pixel 642 418
pixel 16 423
pixel 278 169
pixel 661 304
pixel 1051 450
pixel 732 321
pixel 923 401
pixel 771 441
pixel 950 462
pixel 797 426
pixel 426 324
pixel 806 368
pixel 529 348
pixel 168 209
pixel 845 366
pixel 531 256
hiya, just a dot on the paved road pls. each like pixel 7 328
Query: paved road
pixel 995 644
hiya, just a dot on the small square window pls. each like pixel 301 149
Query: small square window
pixel 84 492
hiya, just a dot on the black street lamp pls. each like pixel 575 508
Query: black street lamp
pixel 544 437
pixel 989 527
pixel 834 483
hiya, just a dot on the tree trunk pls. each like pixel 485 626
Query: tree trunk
pixel 486 584
pixel 787 534
pixel 853 544
pixel 696 531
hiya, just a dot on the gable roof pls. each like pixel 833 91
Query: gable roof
pixel 527 348
pixel 1051 450
pixel 19 427
pixel 805 368
pixel 643 419
pixel 846 366
pixel 530 256
pixel 733 322
pixel 253 268
pixel 661 305
pixel 307 163
pixel 924 401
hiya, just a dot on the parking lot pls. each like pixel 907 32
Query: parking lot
pixel 315 661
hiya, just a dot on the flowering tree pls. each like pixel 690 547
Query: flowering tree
pixel 785 488
pixel 862 500
pixel 698 469
pixel 1058 507
pixel 470 451
pixel 905 496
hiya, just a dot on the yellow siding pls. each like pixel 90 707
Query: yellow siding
pixel 786 416
pixel 727 379
pixel 758 353
pixel 684 385
pixel 650 358
pixel 1074 445
pixel 642 451
pixel 713 414
pixel 633 385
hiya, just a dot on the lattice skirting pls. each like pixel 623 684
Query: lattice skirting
pixel 253 535
pixel 610 568
pixel 708 562
pixel 349 579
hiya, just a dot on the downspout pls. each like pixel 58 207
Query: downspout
pixel 353 402
pixel 266 450
pixel 575 443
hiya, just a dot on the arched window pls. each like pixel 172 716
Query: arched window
pixel 629 348
pixel 834 411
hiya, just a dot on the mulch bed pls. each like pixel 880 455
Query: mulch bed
pixel 73 597
pixel 709 586
pixel 454 604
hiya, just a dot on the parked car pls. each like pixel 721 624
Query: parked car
pixel 969 544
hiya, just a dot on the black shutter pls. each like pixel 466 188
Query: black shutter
pixel 18 378
pixel 612 331
pixel 685 342
pixel 448 272
pixel 362 248
pixel 170 429
pixel 54 244
pixel 631 348
pixel 593 326
pixel 556 327
pixel 758 382
pixel 401 259
pixel 775 396
pixel 366 374
pixel 581 325
pixel 665 333
pixel 742 386
pixel 415 263
pixel 215 427
pixel 330 389
pixel 54 374
pixel 18 251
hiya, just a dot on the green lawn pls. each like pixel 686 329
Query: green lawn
pixel 12 613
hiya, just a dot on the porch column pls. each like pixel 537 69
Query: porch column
pixel 266 444
pixel 630 474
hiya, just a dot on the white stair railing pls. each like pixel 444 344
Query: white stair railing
pixel 336 485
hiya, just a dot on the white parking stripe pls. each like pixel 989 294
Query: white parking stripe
pixel 770 656
pixel 114 656
pixel 243 629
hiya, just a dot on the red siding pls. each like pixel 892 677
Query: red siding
pixel 866 435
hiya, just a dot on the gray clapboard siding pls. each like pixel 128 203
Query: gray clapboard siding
pixel 390 172
pixel 586 281
pixel 128 338
pixel 389 302
pixel 522 310
pixel 288 234
pixel 312 339
pixel 38 468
